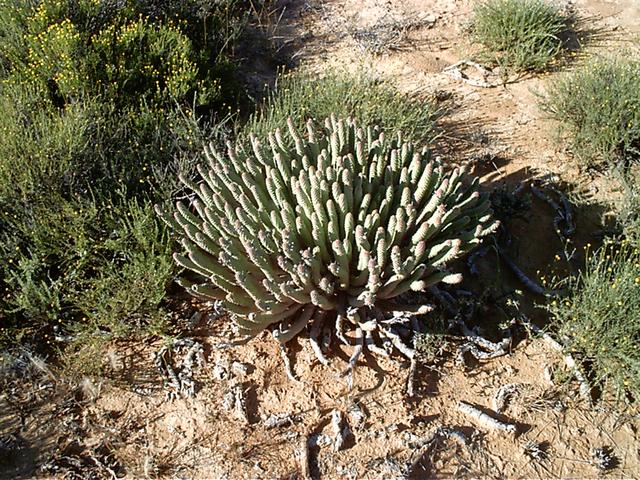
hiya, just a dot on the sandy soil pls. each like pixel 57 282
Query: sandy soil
pixel 127 427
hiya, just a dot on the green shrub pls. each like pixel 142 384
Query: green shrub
pixel 629 207
pixel 598 106
pixel 60 229
pixel 73 262
pixel 101 103
pixel 631 219
pixel 129 51
pixel 42 148
pixel 369 100
pixel 519 35
pixel 134 60
pixel 134 272
pixel 599 320
pixel 342 223
pixel 144 148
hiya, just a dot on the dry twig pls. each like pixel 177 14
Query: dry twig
pixel 485 419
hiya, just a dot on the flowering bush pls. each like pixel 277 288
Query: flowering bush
pixel 599 320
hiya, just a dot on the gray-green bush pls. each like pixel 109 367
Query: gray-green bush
pixel 598 107
pixel 519 35
pixel 102 105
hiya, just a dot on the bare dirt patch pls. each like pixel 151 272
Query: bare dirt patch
pixel 387 435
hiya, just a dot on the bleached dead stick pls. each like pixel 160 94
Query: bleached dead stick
pixel 339 332
pixel 454 434
pixel 357 350
pixel 421 452
pixel 485 419
pixel 482 342
pixel 314 336
pixel 412 377
pixel 172 383
pixel 397 342
pixel 234 401
pixel 584 388
pixel 340 429
pixel 481 354
pixel 287 364
pixel 100 464
pixel 503 394
pixel 372 346
pixel 535 450
pixel 303 456
pixel 493 349
pixel 278 420
pixel 425 446
pixel 526 281
pixel 195 354
pixel 413 310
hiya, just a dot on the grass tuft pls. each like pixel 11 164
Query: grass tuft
pixel 519 35
pixel 369 100
pixel 598 107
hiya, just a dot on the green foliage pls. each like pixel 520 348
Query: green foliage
pixel 102 105
pixel 599 320
pixel 134 268
pixel 92 147
pixel 519 35
pixel 629 207
pixel 131 51
pixel 304 96
pixel 41 147
pixel 598 106
pixel 65 183
pixel 72 261
pixel 343 222
pixel 155 62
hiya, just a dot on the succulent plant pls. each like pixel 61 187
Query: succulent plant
pixel 325 231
